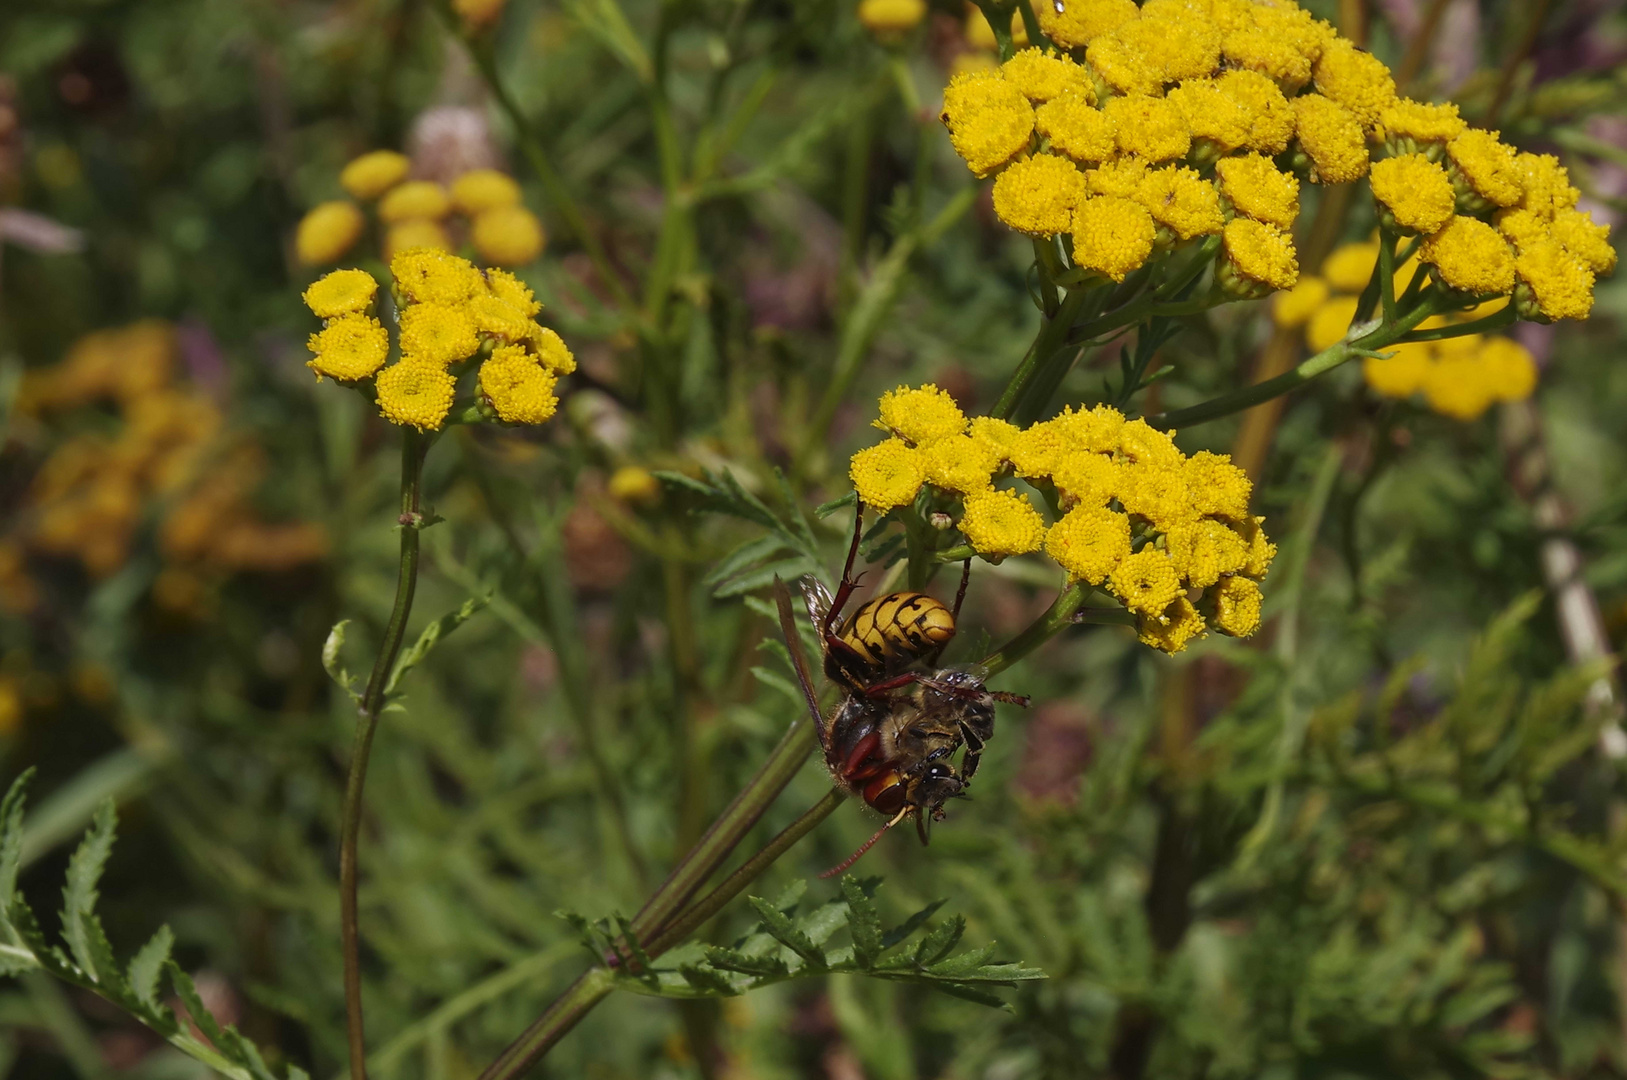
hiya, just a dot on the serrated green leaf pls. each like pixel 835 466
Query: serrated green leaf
pixel 11 847
pixel 702 977
pixel 687 483
pixel 825 510
pixel 792 896
pixel 432 635
pixel 863 922
pixel 795 517
pixel 909 926
pixel 963 965
pixel 940 942
pixel 745 555
pixel 333 663
pixel 734 960
pixel 32 938
pixel 192 1002
pixel 781 930
pixel 146 966
pixel 752 580
pixel 79 926
pixel 973 993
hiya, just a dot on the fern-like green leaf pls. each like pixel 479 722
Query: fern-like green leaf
pixel 864 923
pixel 782 930
pixel 940 942
pixel 11 849
pixel 192 1002
pixel 147 965
pixel 79 925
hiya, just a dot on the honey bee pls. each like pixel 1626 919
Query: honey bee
pixel 892 738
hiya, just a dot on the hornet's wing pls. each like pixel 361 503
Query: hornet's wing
pixel 793 645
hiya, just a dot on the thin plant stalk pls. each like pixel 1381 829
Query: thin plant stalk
pixel 413 447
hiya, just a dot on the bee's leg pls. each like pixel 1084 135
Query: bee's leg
pixel 923 828
pixel 1010 698
pixel 898 682
pixel 974 751
pixel 954 614
pixel 845 590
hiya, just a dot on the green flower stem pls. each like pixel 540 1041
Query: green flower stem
pixel 956 554
pixel 1057 617
pixel 1320 364
pixel 1051 339
pixel 590 988
pixel 413 447
pixel 1503 317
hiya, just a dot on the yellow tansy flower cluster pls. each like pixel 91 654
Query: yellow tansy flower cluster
pixel 1170 536
pixel 449 312
pixel 418 213
pixel 1460 377
pixel 1136 129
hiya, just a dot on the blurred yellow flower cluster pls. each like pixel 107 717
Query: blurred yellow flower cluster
pixel 166 463
pixel 1146 127
pixel 1460 377
pixel 1169 535
pixel 890 20
pixel 416 213
pixel 449 311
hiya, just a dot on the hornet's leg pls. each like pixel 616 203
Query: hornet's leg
pixel 849 582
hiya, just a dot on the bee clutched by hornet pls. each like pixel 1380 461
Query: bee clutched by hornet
pixel 892 738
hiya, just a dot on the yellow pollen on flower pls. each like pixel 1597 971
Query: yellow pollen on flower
pixel 1075 128
pixel 519 389
pixel 342 292
pixel 438 333
pixel 415 393
pixel 1211 114
pixel 1415 190
pixel 1037 195
pixel 552 351
pixel 429 276
pixel 415 233
pixel 989 120
pixel 1174 629
pixel 1089 479
pixel 484 189
pixel 887 474
pixel 1146 581
pixel 1405 118
pixel 1001 523
pixel 512 291
pixel 1331 322
pixel 1112 235
pixel 1122 66
pixel 1258 189
pixel 1588 242
pixel 1253 49
pixel 348 348
pixel 1203 550
pixel 1237 607
pixel 1402 374
pixel 920 415
pixel 1218 487
pixel 1177 41
pixel 1261 253
pixel 1487 166
pixel 1178 197
pixel 507 235
pixel 1561 285
pixel 889 19
pixel 1296 306
pixel 374 173
pixel 1545 185
pixel 1089 542
pixel 1121 177
pixel 1151 128
pixel 327 232
pixel 960 463
pixel 414 199
pixel 1331 137
pixel 1356 79
pixel 1270 117
pixel 1470 256
pixel 1075 23
pixel 1042 76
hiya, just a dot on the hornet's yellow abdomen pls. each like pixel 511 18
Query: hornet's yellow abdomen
pixel 892 631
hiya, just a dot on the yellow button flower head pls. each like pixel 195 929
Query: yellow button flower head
pixel 1205 549
pixel 1415 190
pixel 1331 322
pixel 1331 137
pixel 499 318
pixel 1176 41
pixel 1001 523
pixel 1179 198
pixel 1112 235
pixel 1038 450
pixel 960 463
pixel 1172 630
pixel 438 333
pixel 1510 369
pixel 1152 129
pixel 519 389
pixel 1157 492
pixel 327 232
pixel 1218 487
pixel 350 347
pixel 1483 166
pixel 1211 115
pixel 1350 265
pixel 374 173
pixel 1121 177
pixel 1038 194
pixel 920 415
pixel 1088 479
pixel 1587 242
pixel 1470 256
pixel 512 291
pixel 1560 286
pixel 1144 444
pixel 1456 386
pixel 415 392
pixel 887 474
pixel 1258 189
pixel 1270 117
pixel 1401 374
pixel 1041 76
pixel 1089 542
pixel 552 351
pixel 342 292
pixel 1261 550
pixel 989 120
pixel 1122 66
pixel 415 233
pixel 1546 186
pixel 1296 306
pixel 633 484
pixel 484 189
pixel 414 199
pixel 1074 23
pixel 1260 51
pixel 1076 129
pixel 998 436
pixel 1097 430
pixel 1355 79
pixel 1418 122
pixel 428 276
pixel 1261 255
pixel 1146 582
pixel 1237 607
pixel 891 19
pixel 1522 228
pixel 507 235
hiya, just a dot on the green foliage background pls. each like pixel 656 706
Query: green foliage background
pixel 1376 841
